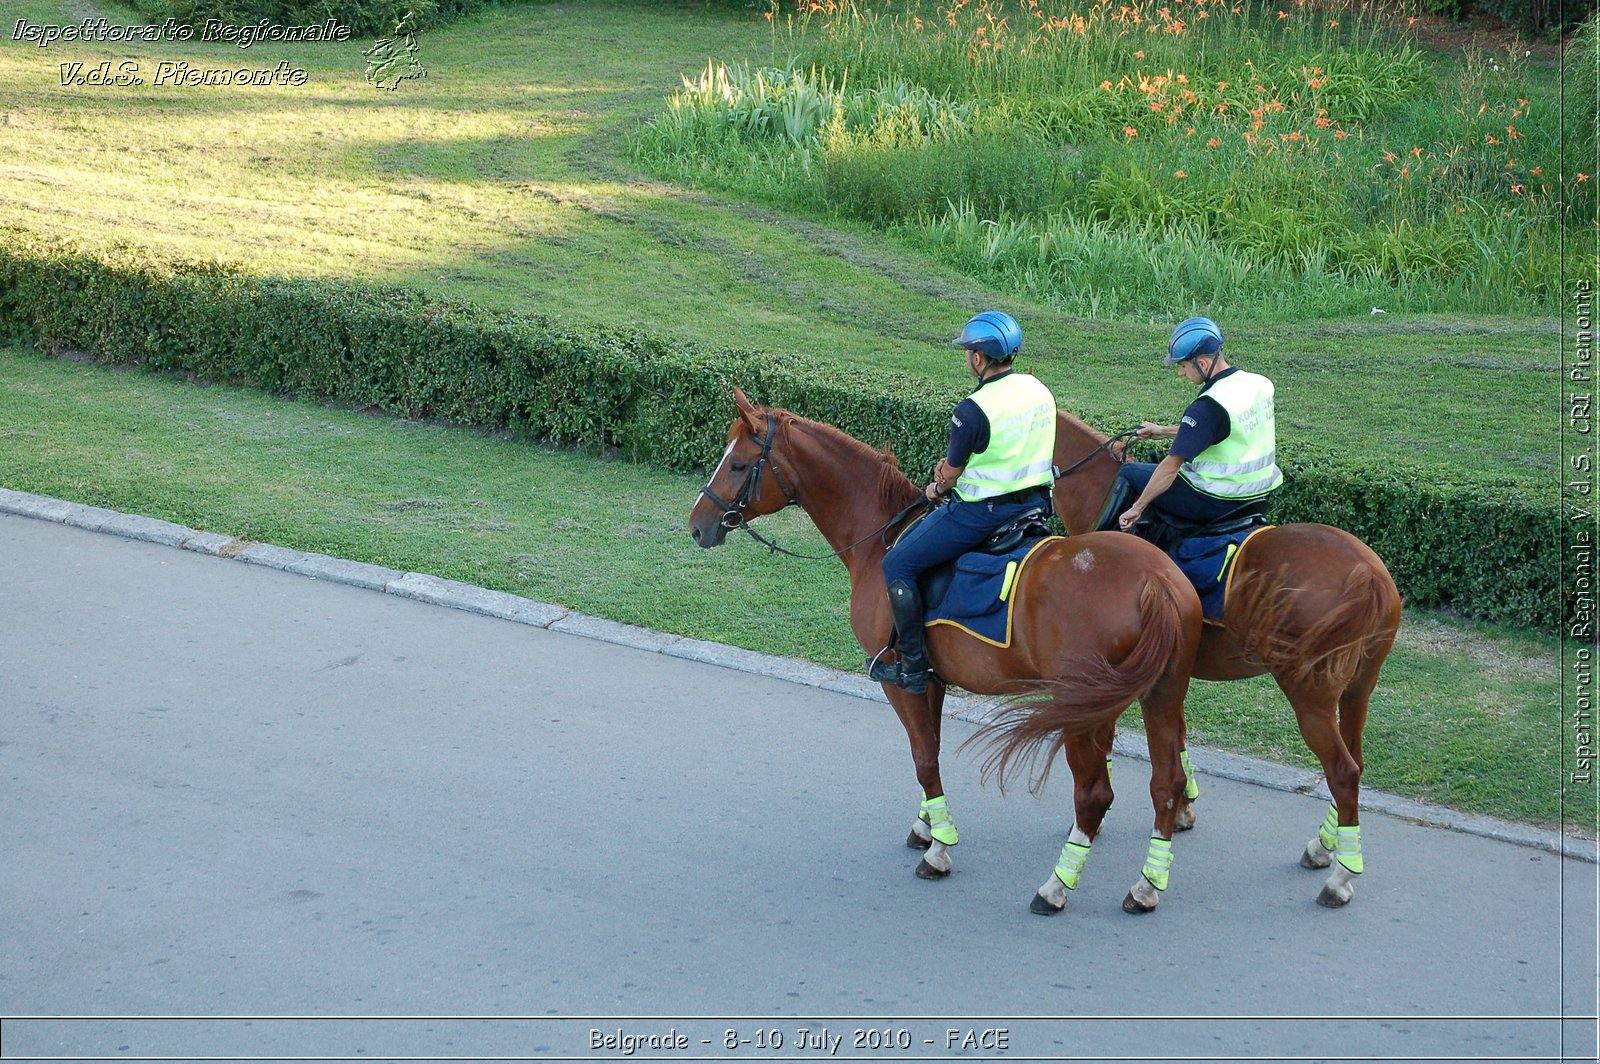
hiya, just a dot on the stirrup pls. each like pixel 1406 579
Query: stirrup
pixel 893 673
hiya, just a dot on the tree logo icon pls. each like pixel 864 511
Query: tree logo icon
pixel 393 59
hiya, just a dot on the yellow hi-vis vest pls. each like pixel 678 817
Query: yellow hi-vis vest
pixel 1022 439
pixel 1245 465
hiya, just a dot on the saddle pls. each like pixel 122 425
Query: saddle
pixel 1026 529
pixel 1170 533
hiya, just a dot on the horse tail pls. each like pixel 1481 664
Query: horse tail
pixel 1326 653
pixel 1037 723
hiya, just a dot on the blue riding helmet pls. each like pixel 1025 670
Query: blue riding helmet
pixel 994 334
pixel 1193 336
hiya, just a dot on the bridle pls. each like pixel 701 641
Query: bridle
pixel 1104 446
pixel 733 513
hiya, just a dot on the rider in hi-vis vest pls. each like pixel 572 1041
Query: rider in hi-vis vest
pixel 1224 457
pixel 1244 465
pixel 997 468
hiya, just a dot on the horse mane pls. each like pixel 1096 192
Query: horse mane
pixel 1078 423
pixel 895 489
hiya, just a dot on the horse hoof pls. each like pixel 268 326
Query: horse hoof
pixel 1130 904
pixel 927 871
pixel 1042 906
pixel 1184 820
pixel 1332 899
pixel 1315 857
pixel 917 842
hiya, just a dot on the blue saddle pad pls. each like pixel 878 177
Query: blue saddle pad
pixel 1205 560
pixel 980 595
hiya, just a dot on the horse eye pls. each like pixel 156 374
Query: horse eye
pixel 739 467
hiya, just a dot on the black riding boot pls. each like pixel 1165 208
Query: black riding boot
pixel 911 669
pixel 1117 503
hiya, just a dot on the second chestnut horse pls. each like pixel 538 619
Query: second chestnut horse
pixel 1308 603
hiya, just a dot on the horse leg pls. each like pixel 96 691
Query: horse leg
pixel 921 836
pixel 921 716
pixel 1169 780
pixel 1338 839
pixel 1091 794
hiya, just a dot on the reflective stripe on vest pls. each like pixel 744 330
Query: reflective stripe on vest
pixel 1245 464
pixel 1022 439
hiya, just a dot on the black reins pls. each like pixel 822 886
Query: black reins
pixel 1105 446
pixel 733 514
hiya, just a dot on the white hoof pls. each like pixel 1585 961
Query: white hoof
pixel 936 863
pixel 1315 856
pixel 1051 898
pixel 921 835
pixel 1185 818
pixel 1142 897
pixel 1339 888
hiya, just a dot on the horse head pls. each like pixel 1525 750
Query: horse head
pixel 747 483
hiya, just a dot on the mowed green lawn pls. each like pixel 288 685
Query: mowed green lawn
pixel 501 177
pixel 1466 715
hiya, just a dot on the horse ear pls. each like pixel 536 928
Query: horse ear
pixel 747 409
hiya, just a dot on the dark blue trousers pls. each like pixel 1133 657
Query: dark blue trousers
pixel 949 532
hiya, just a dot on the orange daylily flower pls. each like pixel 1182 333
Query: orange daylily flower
pixel 1213 143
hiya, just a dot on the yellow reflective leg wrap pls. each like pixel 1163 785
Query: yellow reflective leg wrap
pixel 936 811
pixel 1111 779
pixel 1158 863
pixel 1070 868
pixel 1191 786
pixel 1348 850
pixel 1328 833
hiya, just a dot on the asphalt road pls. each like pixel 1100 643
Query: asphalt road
pixel 386 829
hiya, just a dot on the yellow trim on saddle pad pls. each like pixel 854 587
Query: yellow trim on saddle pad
pixel 1012 575
pixel 1227 587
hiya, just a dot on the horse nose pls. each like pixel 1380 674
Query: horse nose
pixel 694 530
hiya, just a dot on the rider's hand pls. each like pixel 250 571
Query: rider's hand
pixel 932 491
pixel 1129 519
pixel 1149 430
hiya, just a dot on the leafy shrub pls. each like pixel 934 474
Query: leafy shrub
pixel 1487 551
pixel 1310 137
pixel 362 16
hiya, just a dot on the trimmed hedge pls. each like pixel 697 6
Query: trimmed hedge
pixel 1487 552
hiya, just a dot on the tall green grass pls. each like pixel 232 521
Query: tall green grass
pixel 1307 159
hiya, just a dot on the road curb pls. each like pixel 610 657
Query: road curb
pixel 424 587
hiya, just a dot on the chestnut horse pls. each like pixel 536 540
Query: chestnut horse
pixel 1098 621
pixel 1310 604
